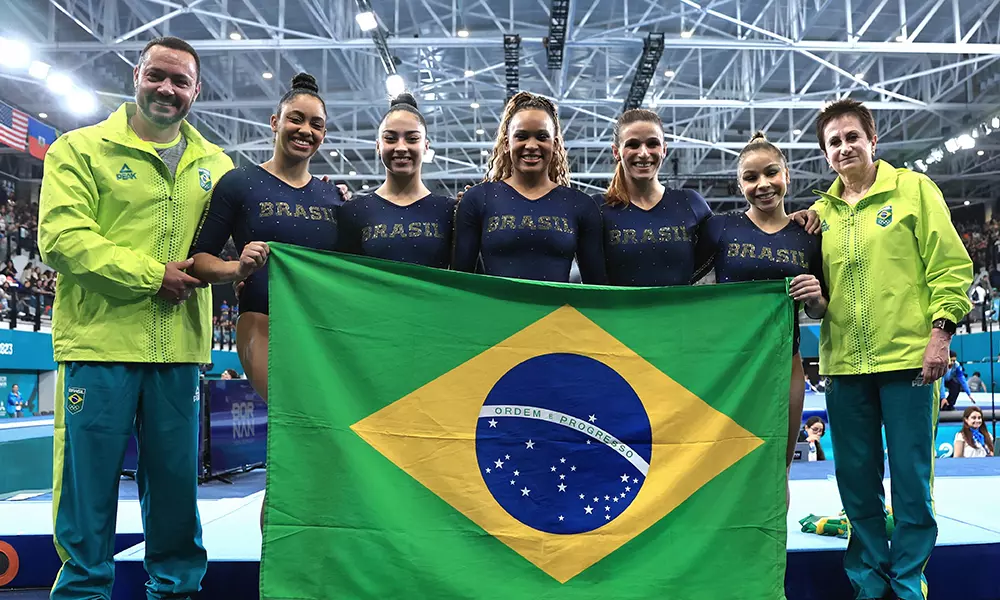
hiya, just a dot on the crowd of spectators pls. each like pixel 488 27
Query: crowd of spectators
pixel 18 291
pixel 982 241
pixel 18 228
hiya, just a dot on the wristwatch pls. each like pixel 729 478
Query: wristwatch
pixel 946 325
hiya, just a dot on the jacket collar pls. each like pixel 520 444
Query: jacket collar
pixel 885 181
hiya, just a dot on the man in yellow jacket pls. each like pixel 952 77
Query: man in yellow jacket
pixel 120 205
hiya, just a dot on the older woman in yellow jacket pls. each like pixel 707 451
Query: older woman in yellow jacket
pixel 897 273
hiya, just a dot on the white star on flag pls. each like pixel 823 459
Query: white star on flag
pixel 530 444
pixel 517 473
pixel 487 469
pixel 562 460
pixel 525 491
pixel 499 463
pixel 562 487
pixel 572 468
pixel 593 418
pixel 562 476
pixel 492 423
pixel 588 510
pixel 581 496
pixel 625 478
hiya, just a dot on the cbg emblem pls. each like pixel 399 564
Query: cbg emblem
pixel 884 216
pixel 74 399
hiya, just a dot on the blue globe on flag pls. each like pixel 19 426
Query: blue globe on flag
pixel 563 443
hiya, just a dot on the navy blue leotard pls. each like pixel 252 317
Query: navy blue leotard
pixel 654 247
pixel 529 239
pixel 419 233
pixel 743 252
pixel 250 204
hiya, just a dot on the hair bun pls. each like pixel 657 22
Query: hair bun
pixel 305 81
pixel 405 98
pixel 758 135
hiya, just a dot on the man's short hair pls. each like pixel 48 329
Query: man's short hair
pixel 174 43
pixel 976 374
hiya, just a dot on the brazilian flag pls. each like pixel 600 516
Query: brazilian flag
pixel 441 435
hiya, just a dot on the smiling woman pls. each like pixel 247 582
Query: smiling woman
pixel 524 220
pixel 278 201
pixel 401 220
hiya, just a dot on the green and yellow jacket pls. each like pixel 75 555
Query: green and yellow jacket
pixel 111 216
pixel 893 263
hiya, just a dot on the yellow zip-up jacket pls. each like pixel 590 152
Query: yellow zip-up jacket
pixel 893 264
pixel 111 215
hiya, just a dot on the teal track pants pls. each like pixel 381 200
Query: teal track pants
pixel 858 406
pixel 98 405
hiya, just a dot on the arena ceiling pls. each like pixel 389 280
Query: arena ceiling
pixel 928 69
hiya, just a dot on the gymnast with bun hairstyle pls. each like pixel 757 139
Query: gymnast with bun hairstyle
pixel 277 201
pixel 401 220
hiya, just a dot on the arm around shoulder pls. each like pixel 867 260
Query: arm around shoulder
pixel 69 236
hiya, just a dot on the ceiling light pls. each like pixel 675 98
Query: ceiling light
pixel 46 116
pixel 687 33
pixel 39 70
pixel 980 152
pixel 474 105
pixel 430 96
pixel 920 165
pixel 469 73
pixel 59 83
pixel 796 132
pixel 13 54
pixel 366 21
pixel 429 156
pixel 484 152
pixel 995 122
pixel 951 145
pixel 267 74
pixel 352 172
pixel 669 73
pixel 966 142
pixel 395 85
pixel 480 131
pixel 966 203
pixel 82 102
pixel 859 75
pixel 334 153
pixel 463 33
pixel 365 186
pixel 235 36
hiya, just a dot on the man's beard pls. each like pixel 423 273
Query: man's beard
pixel 144 102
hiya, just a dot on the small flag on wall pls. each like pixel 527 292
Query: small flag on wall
pixel 13 127
pixel 40 136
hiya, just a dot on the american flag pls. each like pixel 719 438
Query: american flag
pixel 13 127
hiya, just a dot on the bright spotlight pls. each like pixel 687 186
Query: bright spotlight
pixel 14 54
pixel 395 85
pixel 59 83
pixel 366 21
pixel 966 142
pixel 39 70
pixel 429 156
pixel 82 102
